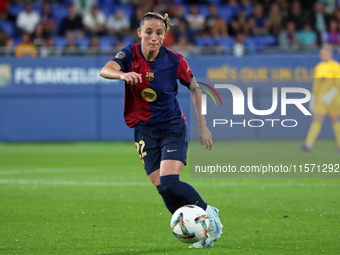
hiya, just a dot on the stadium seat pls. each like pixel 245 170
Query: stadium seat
pixel 266 40
pixel 203 9
pixel 214 1
pixel 60 41
pixel 226 41
pixel 250 44
pixel 128 10
pixel 249 10
pixel 83 43
pixel 106 42
pixel 16 40
pixel 14 9
pixel 107 8
pixel 128 40
pixel 106 2
pixel 205 41
pixel 37 7
pixel 225 12
pixel 59 11
pixel 8 27
pixel 234 10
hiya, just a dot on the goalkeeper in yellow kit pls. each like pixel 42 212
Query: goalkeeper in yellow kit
pixel 325 98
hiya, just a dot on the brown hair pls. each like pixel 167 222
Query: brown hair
pixel 154 15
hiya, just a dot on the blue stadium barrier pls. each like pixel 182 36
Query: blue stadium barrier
pixel 65 99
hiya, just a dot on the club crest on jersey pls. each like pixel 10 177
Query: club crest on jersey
pixel 149 94
pixel 150 76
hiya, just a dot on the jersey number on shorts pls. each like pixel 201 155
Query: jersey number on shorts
pixel 141 146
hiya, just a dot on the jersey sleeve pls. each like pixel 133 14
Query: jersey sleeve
pixel 184 73
pixel 124 58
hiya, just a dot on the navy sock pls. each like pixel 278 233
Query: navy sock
pixel 170 201
pixel 183 192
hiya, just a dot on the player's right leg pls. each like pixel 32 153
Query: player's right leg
pixel 147 145
pixel 334 114
pixel 336 128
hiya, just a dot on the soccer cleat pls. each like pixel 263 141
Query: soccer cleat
pixel 204 243
pixel 304 148
pixel 215 225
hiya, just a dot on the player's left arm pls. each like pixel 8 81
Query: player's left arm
pixel 204 134
pixel 184 74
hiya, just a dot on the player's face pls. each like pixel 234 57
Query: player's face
pixel 325 55
pixel 152 34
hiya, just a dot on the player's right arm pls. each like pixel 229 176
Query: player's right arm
pixel 112 70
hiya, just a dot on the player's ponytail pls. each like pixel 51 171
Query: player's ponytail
pixel 155 15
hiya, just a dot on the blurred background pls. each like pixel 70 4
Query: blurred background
pixel 203 27
pixel 52 52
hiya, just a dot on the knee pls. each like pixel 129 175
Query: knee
pixel 168 182
pixel 155 181
pixel 154 178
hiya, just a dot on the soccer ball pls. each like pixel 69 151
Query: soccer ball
pixel 189 224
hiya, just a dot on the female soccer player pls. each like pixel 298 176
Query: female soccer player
pixel 150 72
pixel 326 97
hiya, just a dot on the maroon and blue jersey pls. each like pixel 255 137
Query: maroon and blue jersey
pixel 154 100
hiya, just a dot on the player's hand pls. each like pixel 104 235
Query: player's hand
pixel 131 78
pixel 205 137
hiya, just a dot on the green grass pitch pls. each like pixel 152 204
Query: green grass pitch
pixel 94 198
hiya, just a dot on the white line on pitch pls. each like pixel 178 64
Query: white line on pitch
pixel 55 170
pixel 123 183
pixel 73 183
pixel 42 170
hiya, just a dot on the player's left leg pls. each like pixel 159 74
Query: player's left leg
pixel 174 149
pixel 313 132
pixel 187 194
pixel 184 192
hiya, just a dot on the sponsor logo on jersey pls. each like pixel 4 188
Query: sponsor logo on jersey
pixel 149 94
pixel 150 76
pixel 120 55
pixel 5 75
pixel 168 150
